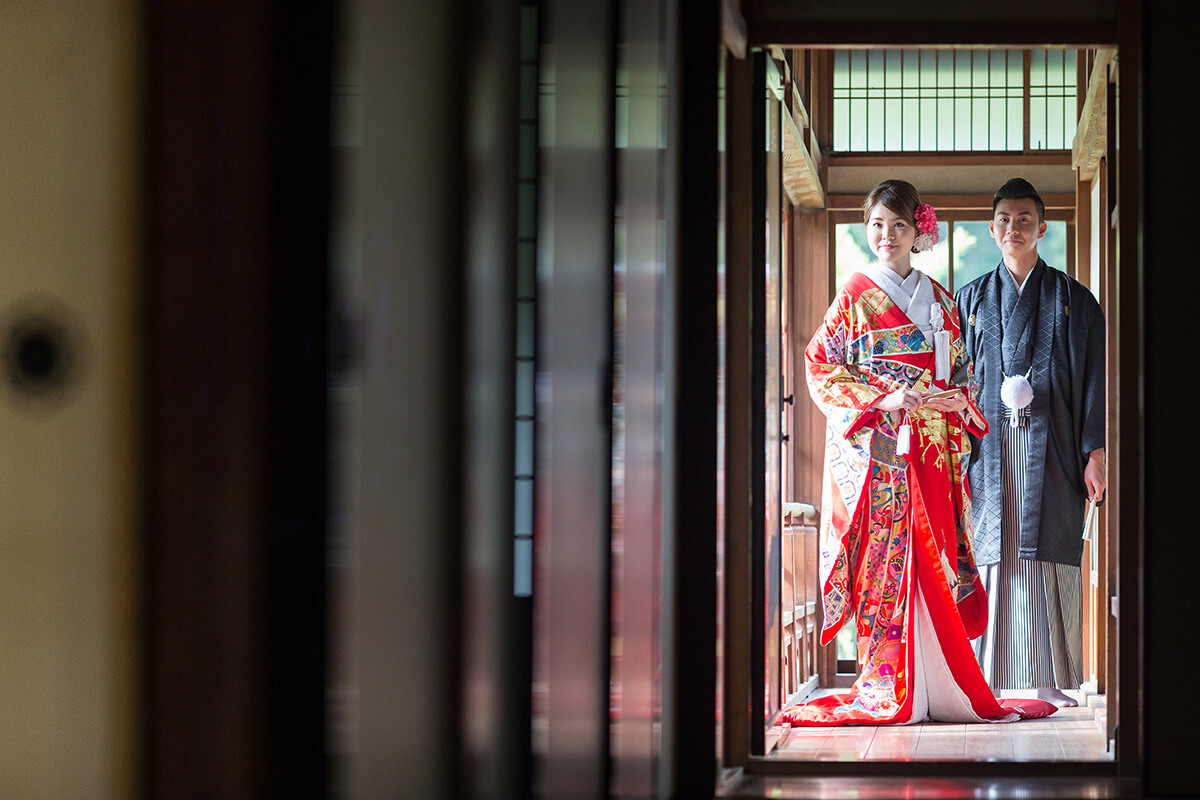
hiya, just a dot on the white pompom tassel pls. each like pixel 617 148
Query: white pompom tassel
pixel 1016 392
pixel 941 343
pixel 902 440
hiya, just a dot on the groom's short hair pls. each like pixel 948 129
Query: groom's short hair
pixel 1019 189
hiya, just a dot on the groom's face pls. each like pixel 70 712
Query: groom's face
pixel 1016 228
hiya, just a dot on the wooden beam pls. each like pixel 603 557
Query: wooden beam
pixel 929 33
pixel 988 158
pixel 853 202
pixel 798 107
pixel 733 28
pixel 1089 144
pixel 801 180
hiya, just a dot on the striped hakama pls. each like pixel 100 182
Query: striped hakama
pixel 1034 636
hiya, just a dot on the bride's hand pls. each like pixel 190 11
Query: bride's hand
pixel 957 402
pixel 902 399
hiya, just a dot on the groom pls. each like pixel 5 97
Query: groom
pixel 1032 475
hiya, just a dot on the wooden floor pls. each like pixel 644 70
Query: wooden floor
pixel 951 788
pixel 1070 734
pixel 1026 760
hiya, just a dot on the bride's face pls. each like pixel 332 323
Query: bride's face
pixel 889 235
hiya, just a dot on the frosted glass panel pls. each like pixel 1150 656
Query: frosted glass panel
pixel 952 100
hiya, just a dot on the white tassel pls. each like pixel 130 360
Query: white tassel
pixel 941 356
pixel 941 343
pixel 902 441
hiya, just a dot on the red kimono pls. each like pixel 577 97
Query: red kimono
pixel 895 544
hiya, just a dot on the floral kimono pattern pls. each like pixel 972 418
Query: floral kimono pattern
pixel 891 521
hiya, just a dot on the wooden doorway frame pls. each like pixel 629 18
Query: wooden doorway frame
pixel 1125 363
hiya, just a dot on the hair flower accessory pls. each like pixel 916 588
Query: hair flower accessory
pixel 927 228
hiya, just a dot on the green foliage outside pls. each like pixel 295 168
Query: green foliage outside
pixel 975 252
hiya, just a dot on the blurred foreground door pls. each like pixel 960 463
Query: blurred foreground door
pixel 68 247
pixel 766 400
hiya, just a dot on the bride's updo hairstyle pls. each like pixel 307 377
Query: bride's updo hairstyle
pixel 899 197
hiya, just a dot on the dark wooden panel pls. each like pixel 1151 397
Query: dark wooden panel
pixel 236 193
pixel 1172 550
pixel 696 34
pixel 882 12
pixel 1084 23
pixel 738 454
